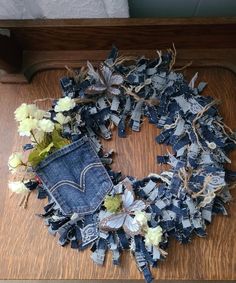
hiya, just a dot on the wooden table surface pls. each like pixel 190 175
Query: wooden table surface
pixel 27 251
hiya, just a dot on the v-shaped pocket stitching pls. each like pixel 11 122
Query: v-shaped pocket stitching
pixel 67 182
pixel 84 171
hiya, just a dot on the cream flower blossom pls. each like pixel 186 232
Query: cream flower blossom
pixel 38 114
pixel 142 217
pixel 28 111
pixel 15 160
pixel 62 119
pixel 153 236
pixel 18 187
pixel 32 109
pixel 64 104
pixel 26 126
pixel 46 125
pixel 21 112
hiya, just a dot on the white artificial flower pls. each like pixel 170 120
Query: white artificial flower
pixel 64 104
pixel 15 160
pixel 18 187
pixel 153 236
pixel 28 111
pixel 46 125
pixel 26 126
pixel 32 109
pixel 38 114
pixel 21 112
pixel 141 217
pixel 62 119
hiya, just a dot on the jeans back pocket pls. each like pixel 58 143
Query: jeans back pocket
pixel 75 178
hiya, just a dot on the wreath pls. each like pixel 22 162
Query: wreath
pixel 136 215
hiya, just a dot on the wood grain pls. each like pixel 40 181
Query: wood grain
pixel 29 252
pixel 35 61
pixel 131 34
pixel 116 22
pixel 126 37
pixel 65 37
pixel 10 55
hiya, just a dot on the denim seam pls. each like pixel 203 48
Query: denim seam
pixel 81 187
pixel 100 198
pixel 106 173
pixel 66 182
pixel 84 171
pixel 62 151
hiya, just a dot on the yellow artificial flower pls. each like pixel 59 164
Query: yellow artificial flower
pixel 46 125
pixel 15 160
pixel 18 187
pixel 113 203
pixel 153 236
pixel 26 126
pixel 62 119
pixel 64 104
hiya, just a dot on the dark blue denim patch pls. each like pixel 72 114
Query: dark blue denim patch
pixel 75 178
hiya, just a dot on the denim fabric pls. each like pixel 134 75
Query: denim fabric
pixel 75 178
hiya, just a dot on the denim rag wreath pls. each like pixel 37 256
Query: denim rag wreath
pixel 90 205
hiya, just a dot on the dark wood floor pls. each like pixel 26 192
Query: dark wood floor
pixel 27 251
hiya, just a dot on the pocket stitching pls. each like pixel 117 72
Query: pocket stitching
pixel 75 185
pixel 66 182
pixel 84 171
